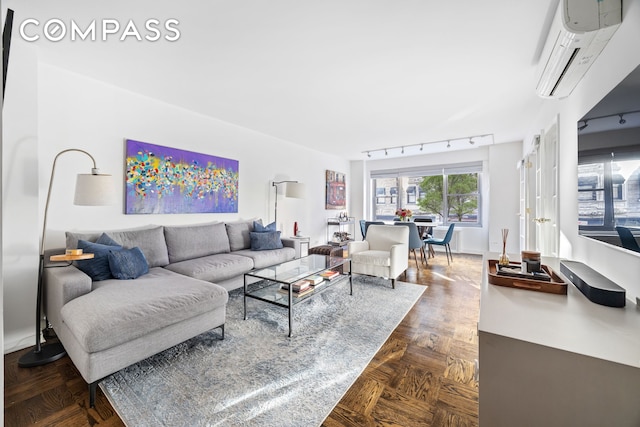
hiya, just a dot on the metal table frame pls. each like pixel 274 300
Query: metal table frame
pixel 269 282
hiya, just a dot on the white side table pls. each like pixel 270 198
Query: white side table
pixel 301 245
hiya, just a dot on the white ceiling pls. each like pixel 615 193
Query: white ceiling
pixel 334 75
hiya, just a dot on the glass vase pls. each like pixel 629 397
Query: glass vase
pixel 504 259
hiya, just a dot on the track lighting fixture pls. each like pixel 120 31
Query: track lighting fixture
pixel 608 120
pixel 413 149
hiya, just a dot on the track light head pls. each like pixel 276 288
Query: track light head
pixel 471 141
pixel 421 147
pixel 582 127
pixel 448 144
pixel 402 152
pixel 385 152
pixel 369 154
pixel 622 120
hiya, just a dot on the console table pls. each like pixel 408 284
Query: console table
pixel 556 360
pixel 337 225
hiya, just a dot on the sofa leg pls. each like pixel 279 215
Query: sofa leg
pixel 222 330
pixel 393 283
pixel 92 394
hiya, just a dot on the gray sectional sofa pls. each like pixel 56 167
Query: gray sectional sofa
pixel 179 291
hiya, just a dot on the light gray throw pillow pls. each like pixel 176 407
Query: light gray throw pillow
pixel 238 232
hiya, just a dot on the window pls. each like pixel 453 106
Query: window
pixel 411 195
pixel 394 195
pixel 462 198
pixel 609 190
pixel 380 196
pixel 446 194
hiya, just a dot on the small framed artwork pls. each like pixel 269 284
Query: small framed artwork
pixel 336 192
pixel 164 180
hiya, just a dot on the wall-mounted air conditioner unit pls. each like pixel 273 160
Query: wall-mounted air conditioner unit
pixel 579 32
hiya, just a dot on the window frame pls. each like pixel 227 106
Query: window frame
pixel 446 196
pixel 420 172
pixel 606 158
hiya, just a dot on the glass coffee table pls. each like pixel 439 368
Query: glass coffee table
pixel 274 284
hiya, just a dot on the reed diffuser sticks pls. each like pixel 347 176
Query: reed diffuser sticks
pixel 504 259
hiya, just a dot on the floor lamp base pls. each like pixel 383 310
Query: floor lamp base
pixel 48 353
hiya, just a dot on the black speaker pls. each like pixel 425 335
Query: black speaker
pixel 593 285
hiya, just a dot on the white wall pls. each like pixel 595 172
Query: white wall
pixel 504 196
pixel 75 111
pixel 498 211
pixel 358 181
pixel 20 198
pixel 619 58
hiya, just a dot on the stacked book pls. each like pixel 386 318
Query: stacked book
pixel 329 274
pixel 316 281
pixel 298 289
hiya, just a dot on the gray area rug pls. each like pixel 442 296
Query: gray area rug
pixel 258 376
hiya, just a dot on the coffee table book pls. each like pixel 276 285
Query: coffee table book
pixel 330 274
pixel 298 286
pixel 306 291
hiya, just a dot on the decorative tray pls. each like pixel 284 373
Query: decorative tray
pixel 549 282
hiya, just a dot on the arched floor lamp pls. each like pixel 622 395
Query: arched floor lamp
pixel 92 189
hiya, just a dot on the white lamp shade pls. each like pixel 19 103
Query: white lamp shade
pixel 295 190
pixel 94 190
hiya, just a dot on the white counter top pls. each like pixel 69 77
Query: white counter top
pixel 567 322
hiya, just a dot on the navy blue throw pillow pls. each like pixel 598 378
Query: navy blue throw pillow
pixel 105 239
pixel 97 267
pixel 265 240
pixel 128 263
pixel 259 228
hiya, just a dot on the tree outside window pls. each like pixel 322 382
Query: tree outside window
pixel 461 201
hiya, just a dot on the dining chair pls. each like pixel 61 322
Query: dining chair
pixel 443 242
pixel 627 238
pixel 425 225
pixel 362 229
pixel 415 242
pixel 425 228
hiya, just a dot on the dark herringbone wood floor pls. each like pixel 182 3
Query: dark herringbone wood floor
pixel 422 376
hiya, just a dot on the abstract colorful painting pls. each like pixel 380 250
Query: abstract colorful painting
pixel 163 180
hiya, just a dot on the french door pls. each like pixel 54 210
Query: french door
pixel 539 195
